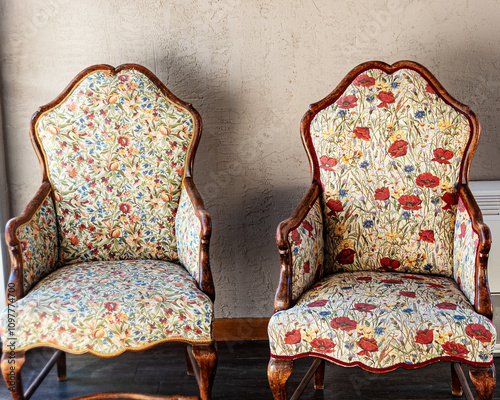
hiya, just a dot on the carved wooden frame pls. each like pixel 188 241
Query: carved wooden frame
pixel 205 355
pixel 279 369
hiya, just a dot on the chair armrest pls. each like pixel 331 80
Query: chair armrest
pixel 33 243
pixel 193 229
pixel 301 247
pixel 470 256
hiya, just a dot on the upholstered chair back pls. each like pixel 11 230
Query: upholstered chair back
pixel 389 153
pixel 114 148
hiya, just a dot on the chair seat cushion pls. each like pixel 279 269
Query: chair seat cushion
pixel 383 320
pixel 106 308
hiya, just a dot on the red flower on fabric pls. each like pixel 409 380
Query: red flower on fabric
pixel 362 133
pixel 364 307
pixel 427 180
pixel 308 227
pixel 463 230
pixel 385 98
pixel 317 303
pixel 293 336
pixel 364 278
pixel 364 80
pixel 442 156
pixel 416 278
pixel 123 140
pixel 407 294
pixel 343 323
pixel 125 207
pixel 111 305
pixel 424 336
pixel 323 345
pixel 334 205
pixel 455 349
pixel 296 237
pixel 446 306
pixel 429 89
pixel 410 202
pixel 388 264
pixel 382 193
pixel 306 267
pixel 368 345
pixel 346 256
pixel 478 332
pixel 398 148
pixel 327 162
pixel 427 236
pixel 450 199
pixel 435 285
pixel 347 101
pixel 392 281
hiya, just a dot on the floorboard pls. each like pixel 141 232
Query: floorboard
pixel 241 374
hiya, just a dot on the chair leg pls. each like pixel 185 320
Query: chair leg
pixel 484 380
pixel 189 365
pixel 11 365
pixel 206 357
pixel 278 372
pixel 456 386
pixel 61 367
pixel 319 377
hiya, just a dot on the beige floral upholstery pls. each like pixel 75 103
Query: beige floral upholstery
pixel 464 256
pixel 106 308
pixel 38 240
pixel 116 150
pixel 188 230
pixel 383 320
pixel 307 245
pixel 389 152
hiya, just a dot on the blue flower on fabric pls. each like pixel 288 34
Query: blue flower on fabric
pixel 406 214
pixel 409 169
pixel 420 114
pixel 368 224
pixel 342 193
pixel 394 85
pixel 459 317
pixel 407 310
pixel 341 113
pixel 370 99
pixel 364 164
pixel 324 313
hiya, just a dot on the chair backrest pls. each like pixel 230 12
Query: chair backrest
pixel 115 146
pixel 390 148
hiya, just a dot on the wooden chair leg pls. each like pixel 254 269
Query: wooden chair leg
pixel 319 377
pixel 61 367
pixel 189 364
pixel 11 365
pixel 278 372
pixel 206 357
pixel 456 386
pixel 484 380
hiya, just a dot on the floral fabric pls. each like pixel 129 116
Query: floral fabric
pixel 188 230
pixel 464 256
pixel 106 308
pixel 383 320
pixel 38 240
pixel 307 246
pixel 389 152
pixel 115 150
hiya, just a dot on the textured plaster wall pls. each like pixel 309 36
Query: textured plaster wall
pixel 251 68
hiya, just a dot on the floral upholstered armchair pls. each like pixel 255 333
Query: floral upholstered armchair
pixel 111 255
pixel 383 263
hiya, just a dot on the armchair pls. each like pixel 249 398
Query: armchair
pixel 111 255
pixel 383 263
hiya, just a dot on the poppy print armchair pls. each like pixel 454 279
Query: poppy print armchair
pixel 383 263
pixel 111 255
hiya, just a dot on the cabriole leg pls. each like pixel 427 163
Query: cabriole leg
pixel 278 372
pixel 206 357
pixel 11 365
pixel 484 380
pixel 319 377
pixel 456 386
pixel 61 367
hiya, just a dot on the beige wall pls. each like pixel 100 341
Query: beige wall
pixel 251 68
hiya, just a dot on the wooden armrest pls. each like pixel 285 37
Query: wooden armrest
pixel 482 292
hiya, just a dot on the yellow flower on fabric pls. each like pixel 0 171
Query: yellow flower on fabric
pixel 382 85
pixel 339 229
pixel 398 135
pixel 346 244
pixel 444 125
pixel 445 184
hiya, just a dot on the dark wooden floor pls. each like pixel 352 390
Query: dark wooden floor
pixel 241 374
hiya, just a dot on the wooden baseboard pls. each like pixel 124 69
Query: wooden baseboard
pixel 240 329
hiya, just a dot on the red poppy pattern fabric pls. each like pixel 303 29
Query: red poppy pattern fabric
pixel 188 231
pixel 108 307
pixel 115 151
pixel 307 246
pixel 38 240
pixel 464 256
pixel 383 320
pixel 389 153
